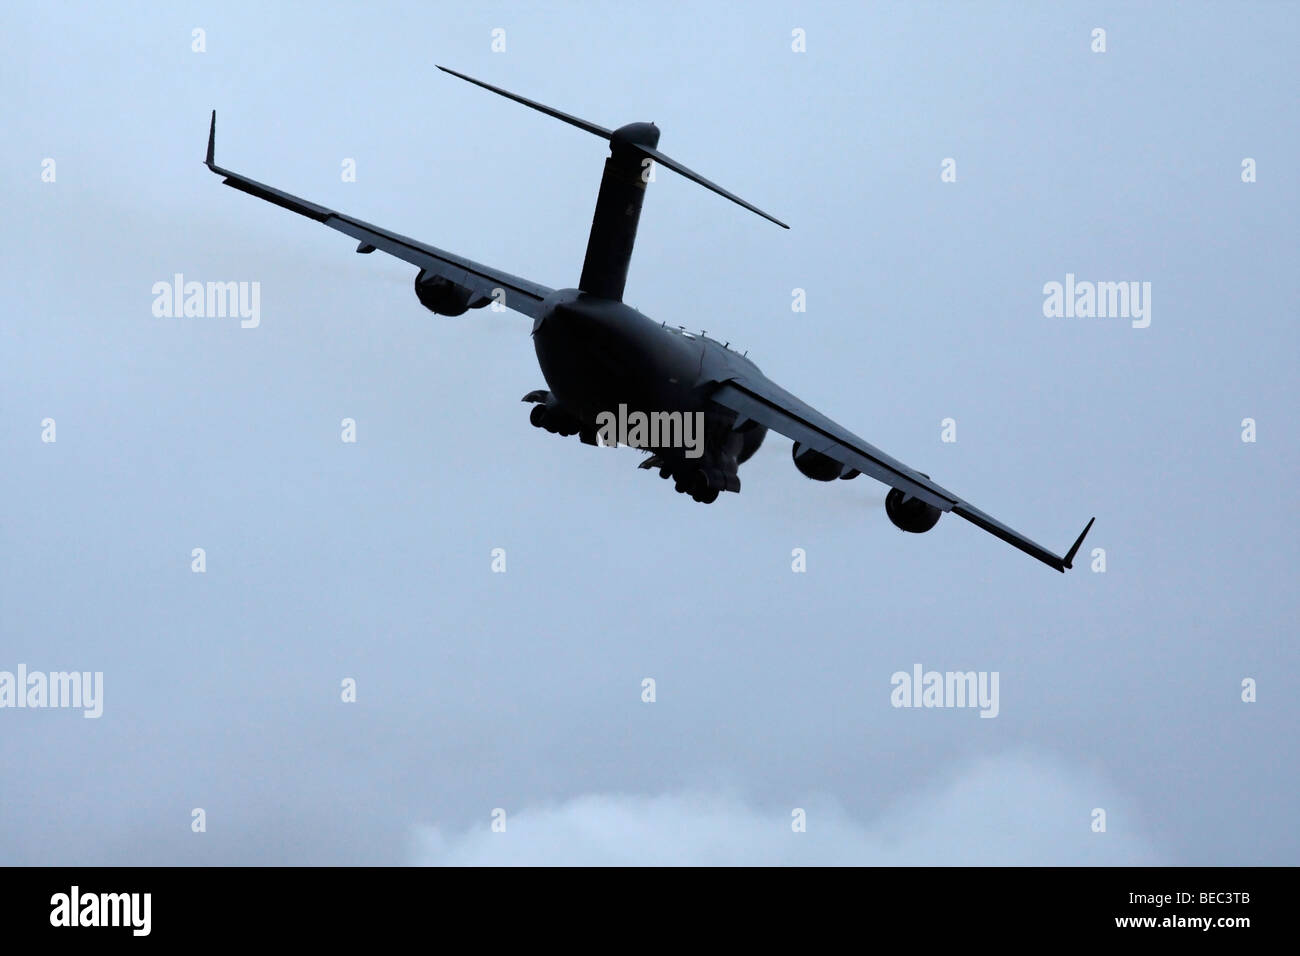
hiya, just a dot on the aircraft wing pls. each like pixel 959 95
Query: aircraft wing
pixel 758 399
pixel 519 294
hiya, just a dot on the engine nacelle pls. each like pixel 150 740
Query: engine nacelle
pixel 751 439
pixel 445 297
pixel 910 514
pixel 813 464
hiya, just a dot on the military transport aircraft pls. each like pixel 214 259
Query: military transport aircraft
pixel 598 354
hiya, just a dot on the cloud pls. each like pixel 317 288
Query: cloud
pixel 1007 811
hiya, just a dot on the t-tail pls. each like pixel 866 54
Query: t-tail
pixel 632 154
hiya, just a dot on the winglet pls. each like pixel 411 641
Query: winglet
pixel 212 141
pixel 1069 555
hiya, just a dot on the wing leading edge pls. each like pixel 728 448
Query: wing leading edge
pixel 519 294
pixel 768 404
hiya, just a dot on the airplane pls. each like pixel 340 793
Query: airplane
pixel 597 353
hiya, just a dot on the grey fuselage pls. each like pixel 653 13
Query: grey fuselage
pixel 598 354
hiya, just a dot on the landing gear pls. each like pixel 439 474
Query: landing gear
pixel 703 484
pixel 703 478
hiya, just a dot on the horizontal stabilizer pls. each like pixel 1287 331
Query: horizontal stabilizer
pixel 643 149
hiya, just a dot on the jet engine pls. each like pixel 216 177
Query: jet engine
pixel 441 295
pixel 910 514
pixel 813 464
pixel 751 438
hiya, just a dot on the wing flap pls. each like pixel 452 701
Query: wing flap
pixel 770 405
pixel 520 295
pixel 797 421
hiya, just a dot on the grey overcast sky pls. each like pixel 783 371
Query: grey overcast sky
pixel 522 691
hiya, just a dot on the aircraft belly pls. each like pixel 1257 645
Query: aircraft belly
pixel 590 377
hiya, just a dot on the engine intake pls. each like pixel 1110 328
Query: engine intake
pixel 445 297
pixel 910 514
pixel 813 464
